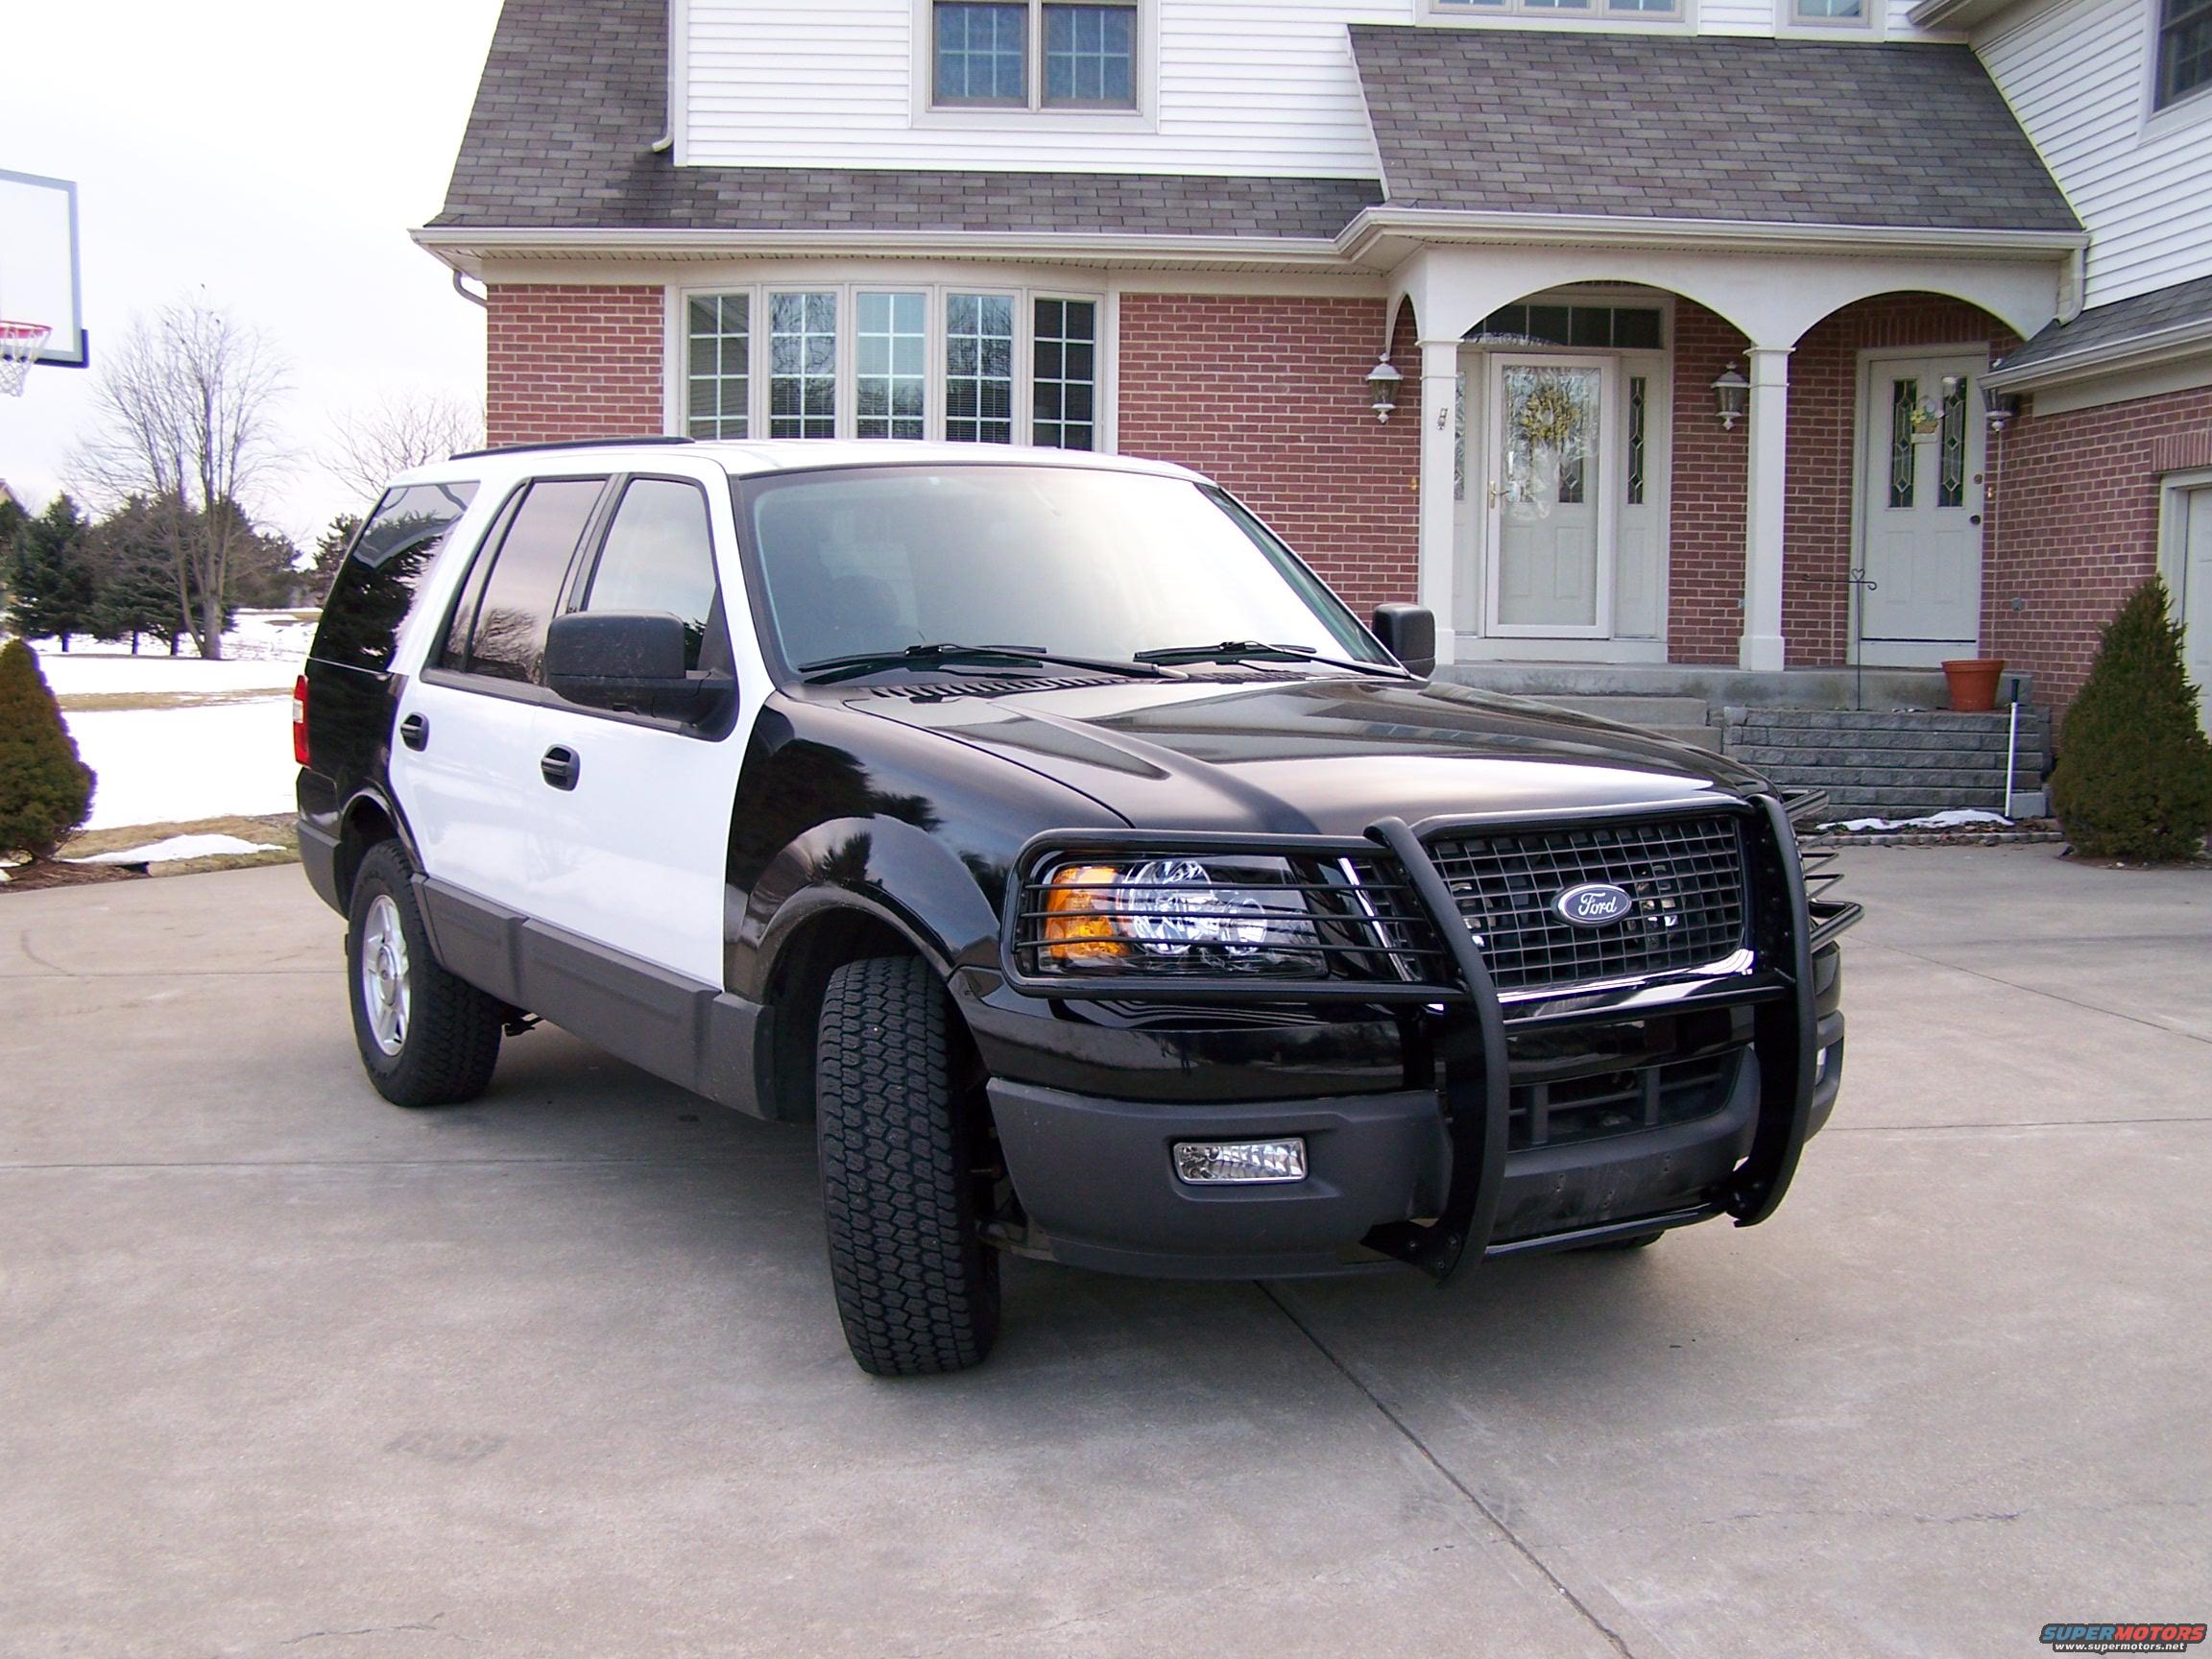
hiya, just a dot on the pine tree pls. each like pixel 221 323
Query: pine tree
pixel 2134 774
pixel 135 589
pixel 51 591
pixel 45 790
pixel 330 548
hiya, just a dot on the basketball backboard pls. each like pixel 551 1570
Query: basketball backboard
pixel 39 280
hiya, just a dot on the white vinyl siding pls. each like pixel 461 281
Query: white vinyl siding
pixel 2076 73
pixel 832 83
pixel 846 83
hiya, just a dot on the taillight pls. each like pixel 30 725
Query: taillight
pixel 299 720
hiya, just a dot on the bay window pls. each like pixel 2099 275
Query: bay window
pixel 967 365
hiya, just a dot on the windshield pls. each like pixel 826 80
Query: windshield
pixel 1080 561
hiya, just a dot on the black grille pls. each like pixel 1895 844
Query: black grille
pixel 1619 1102
pixel 1684 877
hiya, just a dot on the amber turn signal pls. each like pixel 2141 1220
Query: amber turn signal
pixel 1076 928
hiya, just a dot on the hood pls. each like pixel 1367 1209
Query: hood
pixel 1295 755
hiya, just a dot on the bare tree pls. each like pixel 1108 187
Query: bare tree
pixel 399 430
pixel 186 406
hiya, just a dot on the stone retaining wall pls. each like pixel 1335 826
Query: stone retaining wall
pixel 1891 763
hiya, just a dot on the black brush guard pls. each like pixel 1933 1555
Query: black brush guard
pixel 1477 1090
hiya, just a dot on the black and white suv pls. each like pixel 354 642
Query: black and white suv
pixel 1042 830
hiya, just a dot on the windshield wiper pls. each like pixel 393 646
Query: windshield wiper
pixel 831 669
pixel 1254 650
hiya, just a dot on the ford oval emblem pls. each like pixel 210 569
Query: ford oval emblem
pixel 1593 905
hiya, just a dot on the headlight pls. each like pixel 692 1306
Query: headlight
pixel 1234 915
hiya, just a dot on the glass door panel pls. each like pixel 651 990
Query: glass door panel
pixel 1548 497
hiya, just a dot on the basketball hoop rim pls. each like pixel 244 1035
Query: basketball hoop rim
pixel 19 344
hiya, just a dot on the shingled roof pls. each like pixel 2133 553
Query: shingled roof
pixel 1793 132
pixel 574 95
pixel 2122 327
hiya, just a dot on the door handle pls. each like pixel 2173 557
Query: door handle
pixel 560 767
pixel 414 731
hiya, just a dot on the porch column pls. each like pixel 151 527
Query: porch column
pixel 1762 646
pixel 1439 399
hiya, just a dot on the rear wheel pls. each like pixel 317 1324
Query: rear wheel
pixel 427 1039
pixel 916 1288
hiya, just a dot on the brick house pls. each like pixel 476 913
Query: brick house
pixel 1695 304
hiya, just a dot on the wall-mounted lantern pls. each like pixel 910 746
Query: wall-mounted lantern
pixel 1731 398
pixel 1382 382
pixel 2000 407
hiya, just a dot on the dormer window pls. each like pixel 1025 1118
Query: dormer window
pixel 1829 14
pixel 1615 10
pixel 1034 55
pixel 2185 50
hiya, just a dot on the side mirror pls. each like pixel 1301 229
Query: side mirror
pixel 631 662
pixel 1408 633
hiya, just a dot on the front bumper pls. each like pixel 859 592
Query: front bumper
pixel 1427 1174
pixel 1097 1182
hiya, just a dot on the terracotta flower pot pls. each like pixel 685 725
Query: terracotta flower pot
pixel 1973 683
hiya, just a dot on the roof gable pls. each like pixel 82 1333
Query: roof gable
pixel 1794 133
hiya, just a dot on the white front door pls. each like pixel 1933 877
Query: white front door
pixel 1549 507
pixel 1920 505
pixel 2189 565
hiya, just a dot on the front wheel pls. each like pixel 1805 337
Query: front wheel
pixel 427 1039
pixel 917 1287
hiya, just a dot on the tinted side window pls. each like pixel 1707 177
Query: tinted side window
pixel 383 571
pixel 659 556
pixel 506 633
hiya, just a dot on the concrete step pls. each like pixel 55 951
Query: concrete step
pixel 1632 710
pixel 1715 684
pixel 1681 719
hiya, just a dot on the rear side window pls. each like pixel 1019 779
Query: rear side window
pixel 659 556
pixel 499 625
pixel 377 583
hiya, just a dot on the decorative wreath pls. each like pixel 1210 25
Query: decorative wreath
pixel 1551 416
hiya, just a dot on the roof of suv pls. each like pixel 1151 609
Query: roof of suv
pixel 742 459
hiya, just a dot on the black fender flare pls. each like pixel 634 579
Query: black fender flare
pixel 890 872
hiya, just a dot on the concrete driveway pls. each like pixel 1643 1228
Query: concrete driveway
pixel 285 1370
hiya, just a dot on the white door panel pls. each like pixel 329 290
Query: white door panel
pixel 2194 599
pixel 634 855
pixel 1549 497
pixel 467 792
pixel 1920 505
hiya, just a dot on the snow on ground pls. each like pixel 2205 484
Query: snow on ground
pixel 176 847
pixel 262 653
pixel 158 765
pixel 210 761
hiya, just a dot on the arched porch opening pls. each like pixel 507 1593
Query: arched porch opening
pixel 1713 540
pixel 1888 461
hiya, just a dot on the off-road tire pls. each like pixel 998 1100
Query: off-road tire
pixel 451 1039
pixel 916 1288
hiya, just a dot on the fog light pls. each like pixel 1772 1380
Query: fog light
pixel 1241 1161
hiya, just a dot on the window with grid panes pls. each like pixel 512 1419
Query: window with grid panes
pixel 890 369
pixel 802 364
pixel 720 360
pixel 1035 55
pixel 1659 9
pixel 979 367
pixel 1064 379
pixel 2184 49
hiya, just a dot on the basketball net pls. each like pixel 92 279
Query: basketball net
pixel 19 344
